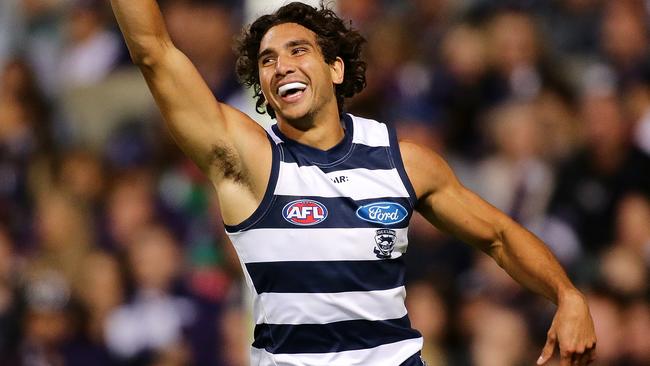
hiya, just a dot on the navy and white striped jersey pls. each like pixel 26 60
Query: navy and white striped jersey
pixel 323 253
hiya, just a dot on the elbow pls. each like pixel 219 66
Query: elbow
pixel 496 250
pixel 143 60
pixel 146 54
pixel 496 247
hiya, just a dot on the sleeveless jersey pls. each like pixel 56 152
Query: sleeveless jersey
pixel 323 253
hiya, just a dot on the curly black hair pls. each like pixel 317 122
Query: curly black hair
pixel 334 37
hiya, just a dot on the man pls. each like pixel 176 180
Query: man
pixel 317 206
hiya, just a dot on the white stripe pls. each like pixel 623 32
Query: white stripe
pixel 295 180
pixel 391 354
pixel 323 308
pixel 366 131
pixel 369 132
pixel 275 137
pixel 279 245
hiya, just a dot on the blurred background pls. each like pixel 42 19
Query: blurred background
pixel 112 251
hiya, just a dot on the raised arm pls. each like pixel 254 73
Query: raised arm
pixel 205 129
pixel 444 202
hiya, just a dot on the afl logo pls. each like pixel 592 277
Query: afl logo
pixel 386 213
pixel 304 212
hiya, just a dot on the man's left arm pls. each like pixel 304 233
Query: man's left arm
pixel 444 202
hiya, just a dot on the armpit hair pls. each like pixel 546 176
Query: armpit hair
pixel 226 160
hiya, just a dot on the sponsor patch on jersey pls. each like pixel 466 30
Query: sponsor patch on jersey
pixel 304 212
pixel 386 213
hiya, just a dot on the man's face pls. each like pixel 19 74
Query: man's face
pixel 295 79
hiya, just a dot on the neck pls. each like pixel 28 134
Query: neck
pixel 608 160
pixel 322 131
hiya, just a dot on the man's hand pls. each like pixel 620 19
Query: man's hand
pixel 573 330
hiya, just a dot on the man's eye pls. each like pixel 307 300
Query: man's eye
pixel 267 60
pixel 299 51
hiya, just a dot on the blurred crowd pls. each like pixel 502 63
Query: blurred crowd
pixel 112 250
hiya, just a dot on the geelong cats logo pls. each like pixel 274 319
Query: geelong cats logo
pixel 304 212
pixel 384 243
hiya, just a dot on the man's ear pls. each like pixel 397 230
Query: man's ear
pixel 337 69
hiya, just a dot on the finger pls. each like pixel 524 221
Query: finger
pixel 579 359
pixel 566 358
pixel 547 351
pixel 591 355
pixel 579 356
pixel 586 355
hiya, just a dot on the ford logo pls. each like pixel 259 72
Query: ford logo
pixel 387 213
pixel 304 212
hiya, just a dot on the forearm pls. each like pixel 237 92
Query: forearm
pixel 143 27
pixel 529 261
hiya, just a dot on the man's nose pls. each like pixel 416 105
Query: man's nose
pixel 284 66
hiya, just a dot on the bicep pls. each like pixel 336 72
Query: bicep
pixel 197 121
pixel 447 204
pixel 460 212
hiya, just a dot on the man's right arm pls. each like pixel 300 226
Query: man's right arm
pixel 200 125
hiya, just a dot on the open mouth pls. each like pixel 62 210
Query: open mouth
pixel 291 91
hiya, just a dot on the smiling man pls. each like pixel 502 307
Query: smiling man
pixel 318 205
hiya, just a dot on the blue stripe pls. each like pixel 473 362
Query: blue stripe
pixel 267 200
pixel 326 276
pixel 333 337
pixel 331 156
pixel 414 360
pixel 360 156
pixel 341 213
pixel 396 156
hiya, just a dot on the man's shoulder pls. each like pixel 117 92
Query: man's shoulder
pixel 368 131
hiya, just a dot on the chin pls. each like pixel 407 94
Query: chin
pixel 294 115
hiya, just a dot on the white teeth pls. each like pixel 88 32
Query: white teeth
pixel 284 89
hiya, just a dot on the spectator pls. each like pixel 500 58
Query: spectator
pixel 204 31
pixel 428 314
pixel 130 205
pixel 637 332
pixel 500 337
pixel 572 27
pixel 47 323
pixel 384 70
pixel 159 323
pixel 517 180
pixel 632 229
pixel 65 236
pixel 624 38
pixel 637 95
pixel 460 90
pixel 597 177
pixel 608 319
pixel 91 50
pixel 11 304
pixel 624 273
pixel 99 294
pixel 26 145
pixel 82 174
